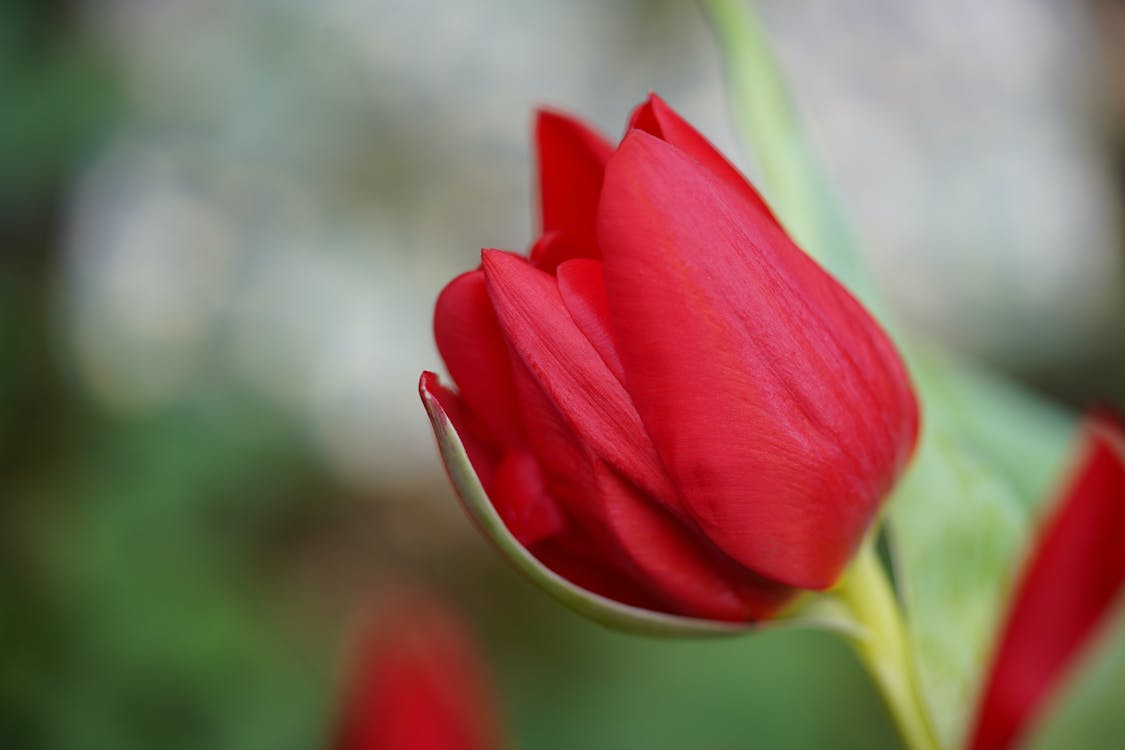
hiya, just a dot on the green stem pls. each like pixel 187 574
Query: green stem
pixel 881 645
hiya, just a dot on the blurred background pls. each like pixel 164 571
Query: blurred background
pixel 223 224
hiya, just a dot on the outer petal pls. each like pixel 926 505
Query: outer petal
pixel 470 341
pixel 569 369
pixel 628 534
pixel 553 248
pixel 625 614
pixel 572 160
pixel 1073 577
pixel 614 530
pixel 573 557
pixel 654 116
pixel 564 461
pixel 678 566
pixel 778 406
pixel 520 494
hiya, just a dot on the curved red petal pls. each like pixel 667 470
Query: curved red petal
pixel 569 369
pixel 574 556
pixel 679 567
pixel 562 458
pixel 554 248
pixel 1073 576
pixel 654 116
pixel 572 160
pixel 520 495
pixel 642 555
pixel 606 549
pixel 778 406
pixel 471 344
pixel 583 292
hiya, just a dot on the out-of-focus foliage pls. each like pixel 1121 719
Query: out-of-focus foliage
pixel 143 610
pixel 56 94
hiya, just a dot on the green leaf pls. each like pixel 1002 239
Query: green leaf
pixel 988 452
pixel 810 611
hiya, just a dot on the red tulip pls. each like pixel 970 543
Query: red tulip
pixel 418 685
pixel 668 402
pixel 1073 576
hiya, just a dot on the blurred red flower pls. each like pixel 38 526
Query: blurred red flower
pixel 1072 578
pixel 668 402
pixel 418 684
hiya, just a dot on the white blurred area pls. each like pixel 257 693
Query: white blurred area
pixel 294 182
pixel 966 141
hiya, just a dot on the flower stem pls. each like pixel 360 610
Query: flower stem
pixel 881 645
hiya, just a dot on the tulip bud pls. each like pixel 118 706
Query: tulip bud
pixel 418 685
pixel 668 404
pixel 1072 578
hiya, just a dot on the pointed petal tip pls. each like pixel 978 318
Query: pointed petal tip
pixel 656 102
pixel 548 119
pixel 427 381
pixel 494 261
pixel 639 135
pixel 547 115
pixel 556 127
pixel 638 146
pixel 1106 424
pixel 429 387
pixel 652 101
pixel 550 114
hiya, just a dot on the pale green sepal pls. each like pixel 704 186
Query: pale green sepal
pixel 810 610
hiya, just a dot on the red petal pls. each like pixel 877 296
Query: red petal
pixel 641 554
pixel 677 567
pixel 656 117
pixel 569 369
pixel 563 460
pixel 615 550
pixel 520 496
pixel 1073 577
pixel 583 292
pixel 574 557
pixel 572 160
pixel 469 340
pixel 778 406
pixel 553 248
